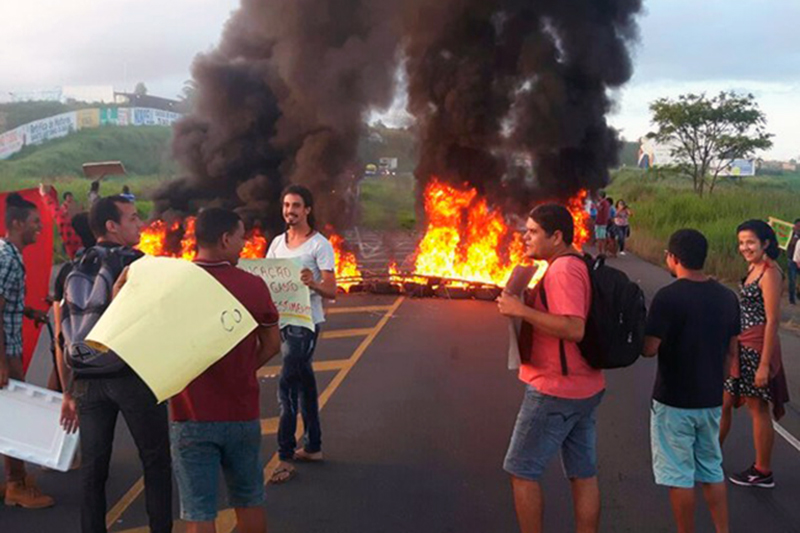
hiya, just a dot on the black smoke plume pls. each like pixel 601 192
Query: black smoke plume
pixel 285 96
pixel 495 80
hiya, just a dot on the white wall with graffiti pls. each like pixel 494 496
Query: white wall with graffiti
pixel 41 131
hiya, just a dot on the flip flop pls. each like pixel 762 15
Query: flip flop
pixel 282 474
pixel 303 456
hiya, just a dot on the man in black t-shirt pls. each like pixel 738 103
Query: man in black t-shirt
pixel 692 326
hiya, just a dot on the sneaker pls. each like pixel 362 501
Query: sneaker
pixel 27 495
pixel 753 478
pixel 622 253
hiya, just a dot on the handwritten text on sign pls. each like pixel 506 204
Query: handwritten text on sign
pixel 290 295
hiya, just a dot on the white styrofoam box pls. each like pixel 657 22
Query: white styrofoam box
pixel 30 427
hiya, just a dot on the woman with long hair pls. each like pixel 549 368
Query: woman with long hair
pixel 622 228
pixel 756 377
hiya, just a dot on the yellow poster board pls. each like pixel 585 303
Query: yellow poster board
pixel 170 322
pixel 291 297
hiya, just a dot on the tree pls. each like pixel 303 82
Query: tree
pixel 707 134
pixel 188 95
pixel 140 89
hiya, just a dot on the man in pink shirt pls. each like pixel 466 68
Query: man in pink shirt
pixel 562 390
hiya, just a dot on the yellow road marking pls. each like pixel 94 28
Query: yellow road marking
pixel 226 520
pixel 113 515
pixel 365 309
pixel 334 384
pixel 320 366
pixel 269 426
pixel 345 333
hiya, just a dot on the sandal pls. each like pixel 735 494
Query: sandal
pixel 282 474
pixel 303 456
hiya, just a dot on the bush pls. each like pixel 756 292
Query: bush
pixel 662 205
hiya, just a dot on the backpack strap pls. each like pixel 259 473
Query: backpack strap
pixel 562 351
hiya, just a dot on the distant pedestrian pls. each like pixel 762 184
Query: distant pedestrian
pixel 127 194
pixel 23 227
pixel 94 193
pixel 216 419
pixel 692 326
pixel 794 262
pixel 558 412
pixel 63 216
pixel 297 386
pixel 757 378
pixel 622 227
pixel 601 223
pixel 611 229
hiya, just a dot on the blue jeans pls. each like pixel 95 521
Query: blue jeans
pixel 547 425
pixel 200 449
pixel 297 388
pixel 792 280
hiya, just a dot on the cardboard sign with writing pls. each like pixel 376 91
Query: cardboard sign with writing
pixel 170 322
pixel 783 230
pixel 290 295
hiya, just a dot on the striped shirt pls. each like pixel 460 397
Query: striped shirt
pixel 12 289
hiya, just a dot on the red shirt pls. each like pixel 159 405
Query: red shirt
pixel 228 390
pixel 569 293
pixel 603 213
pixel 72 243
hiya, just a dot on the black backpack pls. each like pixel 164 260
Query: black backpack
pixel 87 294
pixel 614 335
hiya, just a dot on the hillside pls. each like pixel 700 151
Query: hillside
pixel 19 113
pixel 143 150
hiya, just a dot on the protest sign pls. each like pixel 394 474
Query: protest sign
pixel 290 295
pixel 170 322
pixel 783 230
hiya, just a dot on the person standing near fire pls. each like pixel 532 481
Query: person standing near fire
pixel 297 382
pixel 23 226
pixel 601 221
pixel 216 418
pixel 95 401
pixel 558 412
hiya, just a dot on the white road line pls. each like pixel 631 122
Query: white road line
pixel 788 437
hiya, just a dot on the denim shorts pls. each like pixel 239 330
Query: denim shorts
pixel 200 449
pixel 685 445
pixel 547 425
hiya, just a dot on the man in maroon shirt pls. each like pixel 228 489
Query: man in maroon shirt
pixel 215 420
pixel 601 222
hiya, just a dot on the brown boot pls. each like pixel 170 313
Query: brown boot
pixel 27 494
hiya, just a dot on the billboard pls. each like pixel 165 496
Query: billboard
pixel 41 131
pixel 654 154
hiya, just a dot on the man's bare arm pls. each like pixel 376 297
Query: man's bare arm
pixel 269 343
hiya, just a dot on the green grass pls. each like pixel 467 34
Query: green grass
pixel 143 150
pixel 387 203
pixel 664 203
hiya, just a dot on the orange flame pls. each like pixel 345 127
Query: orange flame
pixel 464 239
pixel 467 240
pixel 155 237
pixel 346 265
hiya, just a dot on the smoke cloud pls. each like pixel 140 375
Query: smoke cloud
pixel 285 96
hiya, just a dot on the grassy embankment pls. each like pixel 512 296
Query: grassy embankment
pixel 663 204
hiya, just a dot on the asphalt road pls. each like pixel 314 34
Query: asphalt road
pixel 417 412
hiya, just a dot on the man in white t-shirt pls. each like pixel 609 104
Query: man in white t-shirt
pixel 297 380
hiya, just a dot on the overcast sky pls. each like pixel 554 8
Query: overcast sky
pixel 685 46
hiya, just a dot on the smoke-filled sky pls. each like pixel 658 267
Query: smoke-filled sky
pixel 747 45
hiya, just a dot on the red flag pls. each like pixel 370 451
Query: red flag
pixel 38 259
